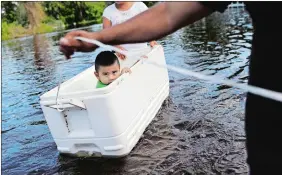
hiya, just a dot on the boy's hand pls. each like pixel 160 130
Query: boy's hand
pixel 125 70
pixel 153 43
pixel 144 56
pixel 121 56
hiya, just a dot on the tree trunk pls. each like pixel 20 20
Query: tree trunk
pixel 35 14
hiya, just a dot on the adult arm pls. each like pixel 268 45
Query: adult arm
pixel 154 23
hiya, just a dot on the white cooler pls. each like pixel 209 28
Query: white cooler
pixel 106 121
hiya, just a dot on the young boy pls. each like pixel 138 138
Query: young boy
pixel 107 68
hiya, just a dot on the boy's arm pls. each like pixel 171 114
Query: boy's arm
pixel 107 24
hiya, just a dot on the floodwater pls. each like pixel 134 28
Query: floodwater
pixel 199 129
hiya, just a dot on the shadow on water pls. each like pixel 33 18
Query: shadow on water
pixel 71 165
pixel 199 129
pixel 41 54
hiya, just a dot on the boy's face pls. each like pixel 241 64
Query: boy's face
pixel 107 74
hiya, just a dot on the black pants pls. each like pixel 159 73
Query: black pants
pixel 264 135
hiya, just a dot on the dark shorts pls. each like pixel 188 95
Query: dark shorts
pixel 264 135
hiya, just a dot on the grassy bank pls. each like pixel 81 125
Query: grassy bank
pixel 14 30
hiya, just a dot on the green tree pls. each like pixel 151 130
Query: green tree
pixel 53 9
pixel 35 13
pixel 75 12
pixel 8 9
pixel 28 17
pixel 94 11
pixel 150 3
pixel 21 15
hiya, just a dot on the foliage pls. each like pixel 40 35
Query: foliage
pixel 150 3
pixel 44 28
pixel 8 9
pixel 21 14
pixel 75 13
pixel 29 17
pixel 35 13
pixel 12 30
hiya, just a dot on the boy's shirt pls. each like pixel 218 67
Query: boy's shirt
pixel 100 84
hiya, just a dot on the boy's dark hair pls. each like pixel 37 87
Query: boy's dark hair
pixel 105 58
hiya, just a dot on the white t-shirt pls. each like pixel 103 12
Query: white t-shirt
pixel 116 17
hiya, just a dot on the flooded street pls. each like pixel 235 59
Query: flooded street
pixel 199 129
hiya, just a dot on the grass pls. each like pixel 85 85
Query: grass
pixel 14 30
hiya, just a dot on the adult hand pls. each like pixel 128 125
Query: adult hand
pixel 69 45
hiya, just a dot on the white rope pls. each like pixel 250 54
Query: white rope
pixel 57 102
pixel 214 79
